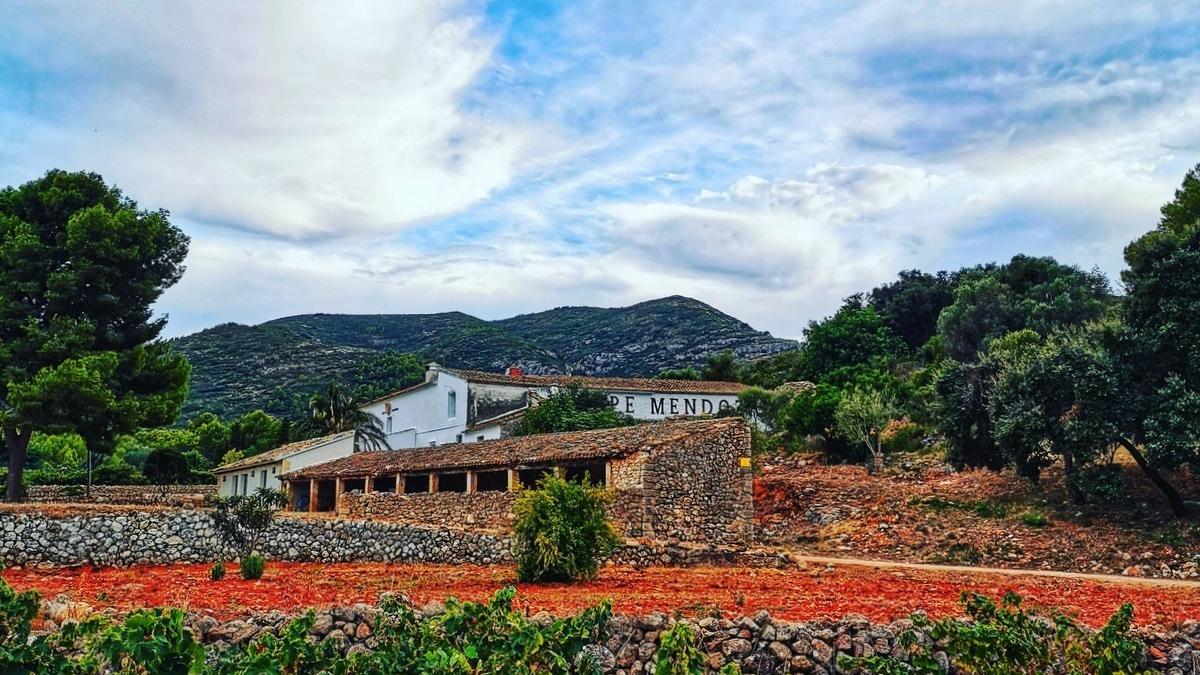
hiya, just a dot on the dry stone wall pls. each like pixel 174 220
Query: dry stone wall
pixel 476 510
pixel 131 537
pixel 759 644
pixel 174 495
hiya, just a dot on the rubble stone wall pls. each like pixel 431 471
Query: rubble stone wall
pixel 759 644
pixel 122 494
pixel 475 510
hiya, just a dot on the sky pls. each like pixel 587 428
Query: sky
pixel 499 158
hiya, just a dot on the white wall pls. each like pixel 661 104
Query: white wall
pixel 421 417
pixel 249 479
pixel 646 406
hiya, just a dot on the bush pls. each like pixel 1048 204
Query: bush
pixel 243 519
pixel 1002 639
pixel 679 653
pixel 901 435
pixel 562 531
pixel 217 572
pixel 572 409
pixel 1104 484
pixel 252 567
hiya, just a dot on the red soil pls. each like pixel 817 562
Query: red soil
pixel 792 594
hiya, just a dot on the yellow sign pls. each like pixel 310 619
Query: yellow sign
pixel 744 462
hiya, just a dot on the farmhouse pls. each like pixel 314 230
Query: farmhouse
pixel 453 406
pixel 687 480
pixel 465 406
pixel 264 469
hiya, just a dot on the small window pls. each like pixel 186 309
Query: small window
pixel 491 481
pixel 479 439
pixel 529 477
pixel 223 478
pixel 433 444
pixel 452 482
pixel 452 405
pixel 272 471
pixel 593 472
pixel 458 438
pixel 416 483
pixel 383 484
pixel 389 424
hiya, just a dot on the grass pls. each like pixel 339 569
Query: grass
pixel 1035 519
pixel 984 509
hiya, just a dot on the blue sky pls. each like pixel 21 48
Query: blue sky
pixel 498 158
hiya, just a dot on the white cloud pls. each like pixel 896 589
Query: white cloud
pixel 295 120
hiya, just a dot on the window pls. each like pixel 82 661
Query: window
pixel 529 477
pixel 433 444
pixel 264 479
pixel 223 478
pixel 452 405
pixel 479 439
pixel 416 483
pixel 491 481
pixel 383 484
pixel 458 438
pixel 389 424
pixel 452 482
pixel 593 472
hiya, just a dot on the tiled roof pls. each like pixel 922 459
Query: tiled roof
pixel 516 451
pixel 607 383
pixel 282 452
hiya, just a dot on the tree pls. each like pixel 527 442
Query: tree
pixel 910 306
pixel 854 337
pixel 333 411
pixel 167 466
pixel 860 417
pixel 259 432
pixel 721 367
pixel 562 531
pixel 80 267
pixel 571 409
pixel 211 435
pixel 242 520
pixel 688 373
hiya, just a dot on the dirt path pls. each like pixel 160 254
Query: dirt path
pixel 817 588
pixel 1001 571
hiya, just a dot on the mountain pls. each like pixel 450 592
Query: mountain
pixel 237 368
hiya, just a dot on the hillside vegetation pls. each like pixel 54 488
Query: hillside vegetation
pixel 237 368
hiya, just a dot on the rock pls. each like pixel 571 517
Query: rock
pixel 736 647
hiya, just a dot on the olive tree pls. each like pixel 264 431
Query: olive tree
pixel 860 417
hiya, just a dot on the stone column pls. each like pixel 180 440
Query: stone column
pixel 512 479
pixel 312 495
pixel 471 478
pixel 433 483
pixel 367 485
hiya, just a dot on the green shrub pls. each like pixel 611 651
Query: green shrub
pixel 679 653
pixel 217 572
pixel 1104 484
pixel 1035 519
pixel 1007 640
pixel 562 531
pixel 252 567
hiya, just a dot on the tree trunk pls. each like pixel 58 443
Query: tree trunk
pixel 18 446
pixel 1072 485
pixel 1173 499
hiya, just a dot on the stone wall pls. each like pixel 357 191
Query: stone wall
pixel 123 494
pixel 698 490
pixel 759 644
pixel 131 537
pixel 477 510
pixel 171 536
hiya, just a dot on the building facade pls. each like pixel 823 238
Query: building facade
pixel 684 480
pixel 263 470
pixel 468 406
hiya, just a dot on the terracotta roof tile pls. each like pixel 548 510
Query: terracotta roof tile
pixel 279 453
pixel 513 452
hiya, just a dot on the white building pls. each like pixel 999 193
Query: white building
pixel 467 406
pixel 246 475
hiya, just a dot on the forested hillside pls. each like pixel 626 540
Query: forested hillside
pixel 236 368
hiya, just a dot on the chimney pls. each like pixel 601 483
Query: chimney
pixel 515 372
pixel 431 371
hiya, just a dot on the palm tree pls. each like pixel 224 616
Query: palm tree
pixel 333 411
